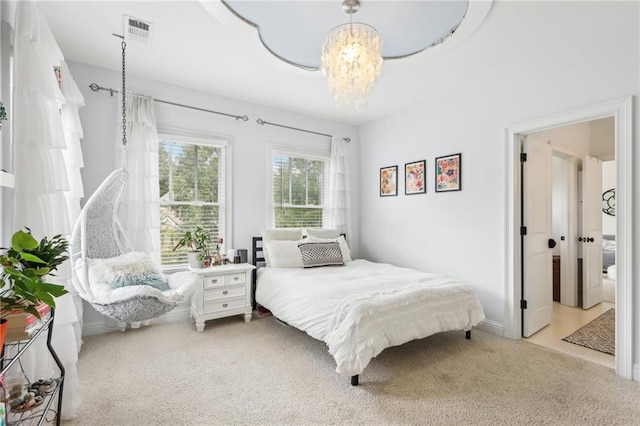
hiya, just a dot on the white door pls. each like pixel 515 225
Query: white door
pixel 537 288
pixel 591 235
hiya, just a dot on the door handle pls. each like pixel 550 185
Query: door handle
pixel 552 243
pixel 590 239
pixel 580 239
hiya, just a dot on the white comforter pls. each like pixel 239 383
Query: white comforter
pixel 362 308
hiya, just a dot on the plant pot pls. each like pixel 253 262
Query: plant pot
pixel 4 324
pixel 195 259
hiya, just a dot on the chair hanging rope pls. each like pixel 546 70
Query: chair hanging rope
pixel 124 95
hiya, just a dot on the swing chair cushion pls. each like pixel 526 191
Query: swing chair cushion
pixel 129 269
pixel 181 287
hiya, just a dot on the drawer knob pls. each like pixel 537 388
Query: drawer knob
pixel 214 281
pixel 235 278
pixel 225 305
pixel 225 292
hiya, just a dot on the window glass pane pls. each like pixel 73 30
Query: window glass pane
pixel 208 173
pixel 297 191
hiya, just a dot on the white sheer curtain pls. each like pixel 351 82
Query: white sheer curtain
pixel 339 188
pixel 140 203
pixel 47 160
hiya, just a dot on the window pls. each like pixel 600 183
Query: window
pixel 193 192
pixel 299 185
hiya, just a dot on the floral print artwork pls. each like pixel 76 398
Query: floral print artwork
pixel 414 178
pixel 388 181
pixel 448 173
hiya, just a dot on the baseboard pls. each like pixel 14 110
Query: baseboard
pixel 108 325
pixel 636 372
pixel 492 327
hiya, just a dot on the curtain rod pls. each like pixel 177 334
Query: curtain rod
pixel 261 122
pixel 96 88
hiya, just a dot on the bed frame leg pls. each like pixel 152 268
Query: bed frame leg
pixel 354 380
pixel 467 335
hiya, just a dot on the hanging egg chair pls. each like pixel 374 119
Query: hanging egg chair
pixel 118 282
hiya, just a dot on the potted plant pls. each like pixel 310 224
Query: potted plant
pixel 24 268
pixel 197 243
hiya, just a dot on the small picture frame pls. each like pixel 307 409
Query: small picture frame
pixel 389 181
pixel 414 173
pixel 448 171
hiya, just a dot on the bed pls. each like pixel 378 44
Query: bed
pixel 608 251
pixel 360 308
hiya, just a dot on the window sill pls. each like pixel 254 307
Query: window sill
pixel 173 269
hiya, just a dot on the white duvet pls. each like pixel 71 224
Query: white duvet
pixel 362 308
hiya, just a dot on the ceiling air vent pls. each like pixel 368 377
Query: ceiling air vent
pixel 137 30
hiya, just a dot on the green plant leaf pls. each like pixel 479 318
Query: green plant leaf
pixel 23 241
pixel 31 258
pixel 54 289
pixel 48 299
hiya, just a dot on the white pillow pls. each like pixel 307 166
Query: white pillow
pixel 133 268
pixel 279 235
pixel 283 253
pixel 323 233
pixel 344 247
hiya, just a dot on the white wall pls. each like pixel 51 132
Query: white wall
pixel 249 145
pixel 528 60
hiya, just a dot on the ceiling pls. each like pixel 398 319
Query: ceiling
pixel 205 46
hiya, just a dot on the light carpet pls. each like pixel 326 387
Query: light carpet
pixel 265 373
pixel 599 334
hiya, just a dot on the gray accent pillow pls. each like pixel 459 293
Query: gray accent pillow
pixel 326 253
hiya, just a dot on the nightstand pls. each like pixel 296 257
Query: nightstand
pixel 222 291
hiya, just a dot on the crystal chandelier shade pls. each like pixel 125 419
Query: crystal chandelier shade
pixel 351 62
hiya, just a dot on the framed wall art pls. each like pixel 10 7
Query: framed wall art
pixel 388 181
pixel 449 173
pixel 414 174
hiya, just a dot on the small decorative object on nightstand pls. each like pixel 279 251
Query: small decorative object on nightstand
pixel 222 291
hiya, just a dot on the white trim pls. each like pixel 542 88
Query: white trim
pixel 193 136
pixel 621 110
pixel 492 327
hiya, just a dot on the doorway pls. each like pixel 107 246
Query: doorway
pixel 621 110
pixel 578 151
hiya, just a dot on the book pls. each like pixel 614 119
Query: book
pixel 20 325
pixel 23 319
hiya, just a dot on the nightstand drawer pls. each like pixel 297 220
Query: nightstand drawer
pixel 216 281
pixel 235 278
pixel 223 305
pixel 223 293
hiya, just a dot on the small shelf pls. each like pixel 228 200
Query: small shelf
pixel 43 413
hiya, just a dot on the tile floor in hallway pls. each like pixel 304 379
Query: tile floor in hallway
pixel 564 321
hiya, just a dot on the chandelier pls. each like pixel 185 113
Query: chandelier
pixel 351 60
